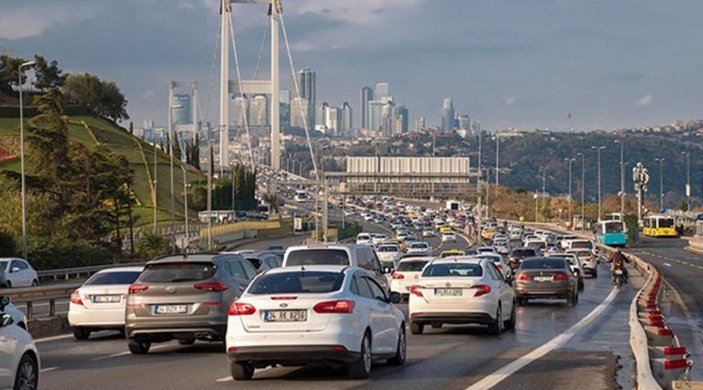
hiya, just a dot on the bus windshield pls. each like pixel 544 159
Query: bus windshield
pixel 614 227
pixel 666 222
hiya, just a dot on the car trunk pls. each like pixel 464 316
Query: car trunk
pixel 286 313
pixel 447 290
pixel 103 297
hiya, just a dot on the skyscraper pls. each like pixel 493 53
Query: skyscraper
pixel 321 114
pixel 307 85
pixel 401 119
pixel 258 111
pixel 334 120
pixel 383 90
pixel 420 124
pixel 285 109
pixel 464 122
pixel 448 118
pixel 376 110
pixel 366 97
pixel 240 111
pixel 346 118
pixel 298 108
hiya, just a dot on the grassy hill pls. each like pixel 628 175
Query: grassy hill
pixel 92 132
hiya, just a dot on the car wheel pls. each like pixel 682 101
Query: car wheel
pixel 496 327
pixel 416 328
pixel 188 341
pixel 8 284
pixel 138 347
pixel 576 297
pixel 436 325
pixel 242 371
pixel 35 283
pixel 510 324
pixel 581 285
pixel 27 376
pixel 401 350
pixel 595 274
pixel 80 333
pixel 361 369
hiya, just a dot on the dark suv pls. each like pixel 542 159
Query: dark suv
pixel 184 298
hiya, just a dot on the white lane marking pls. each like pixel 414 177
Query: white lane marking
pixel 667 264
pixel 114 355
pixel 501 374
pixel 53 338
pixel 230 379
pixel 49 369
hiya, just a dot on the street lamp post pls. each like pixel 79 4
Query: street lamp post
pixel 598 149
pixel 688 179
pixel 497 160
pixel 583 188
pixel 661 183
pixel 22 173
pixel 622 175
pixel 156 184
pixel 171 107
pixel 185 206
pixel 570 160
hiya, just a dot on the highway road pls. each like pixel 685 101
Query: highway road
pixel 684 271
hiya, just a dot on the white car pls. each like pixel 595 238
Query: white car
pixel 100 302
pixel 486 249
pixel 377 238
pixel 335 315
pixel 407 273
pixel 363 239
pixel 19 356
pixel 575 264
pixel 429 232
pixel 589 261
pixel 16 272
pixel 448 237
pixel 389 253
pixel 462 290
pixel 498 261
pixel 420 247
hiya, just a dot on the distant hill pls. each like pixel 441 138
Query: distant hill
pixel 91 132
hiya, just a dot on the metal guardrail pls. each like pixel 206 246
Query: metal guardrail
pixel 77 272
pixel 29 295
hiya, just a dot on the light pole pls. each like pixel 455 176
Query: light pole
pixel 570 161
pixel 622 175
pixel 688 179
pixel 478 183
pixel 497 159
pixel 661 184
pixel 156 183
pixel 172 106
pixel 23 185
pixel 185 207
pixel 583 189
pixel 598 149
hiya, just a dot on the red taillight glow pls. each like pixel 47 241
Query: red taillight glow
pixel 523 277
pixel 483 289
pixel 342 306
pixel 562 277
pixel 284 298
pixel 232 350
pixel 339 348
pixel 76 298
pixel 415 290
pixel 396 276
pixel 241 309
pixel 211 286
pixel 137 288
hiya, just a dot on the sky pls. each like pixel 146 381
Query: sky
pixel 507 63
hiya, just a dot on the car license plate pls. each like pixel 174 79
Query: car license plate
pixel 170 309
pixel 285 315
pixel 543 278
pixel 447 292
pixel 107 298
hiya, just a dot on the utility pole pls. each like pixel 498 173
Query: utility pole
pixel 583 189
pixel 598 149
pixel 497 160
pixel 23 184
pixel 622 176
pixel 570 160
pixel 478 186
pixel 688 180
pixel 185 207
pixel 156 184
pixel 661 183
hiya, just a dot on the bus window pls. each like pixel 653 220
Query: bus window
pixel 666 222
pixel 613 227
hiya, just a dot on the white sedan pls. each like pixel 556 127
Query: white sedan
pixel 421 248
pixel 16 272
pixel 449 237
pixel 100 302
pixel 19 355
pixel 462 290
pixel 335 315
pixel 407 273
pixel 498 261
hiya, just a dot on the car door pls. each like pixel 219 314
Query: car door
pixel 241 279
pixel 369 306
pixel 15 274
pixel 25 273
pixel 8 345
pixel 505 290
pixel 388 333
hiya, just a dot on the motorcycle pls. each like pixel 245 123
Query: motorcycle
pixel 618 277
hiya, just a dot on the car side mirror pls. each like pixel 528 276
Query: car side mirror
pixel 15 269
pixel 6 320
pixel 387 270
pixel 395 297
pixel 4 301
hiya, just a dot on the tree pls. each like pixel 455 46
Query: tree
pixel 151 245
pixel 9 73
pixel 48 74
pixel 176 147
pixel 103 97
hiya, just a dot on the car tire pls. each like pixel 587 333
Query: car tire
pixel 595 274
pixel 188 341
pixel 138 347
pixel 496 327
pixel 510 324
pixel 27 376
pixel 361 369
pixel 242 371
pixel 436 325
pixel 80 333
pixel 581 285
pixel 35 283
pixel 416 328
pixel 401 350
pixel 522 301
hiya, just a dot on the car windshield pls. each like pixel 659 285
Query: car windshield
pixel 666 222
pixel 613 227
pixel 177 272
pixel 303 282
pixel 453 269
pixel 317 257
pixel 388 248
pixel 117 277
pixel 543 264
pixel 411 266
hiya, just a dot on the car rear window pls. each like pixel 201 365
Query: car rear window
pixel 543 264
pixel 523 252
pixel 453 269
pixel 297 283
pixel 317 257
pixel 177 272
pixel 581 244
pixel 388 248
pixel 117 277
pixel 411 266
pixel 585 253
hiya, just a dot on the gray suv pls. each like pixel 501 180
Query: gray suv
pixel 184 298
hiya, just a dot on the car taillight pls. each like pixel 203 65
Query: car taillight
pixel 137 288
pixel 211 286
pixel 561 277
pixel 342 306
pixel 523 277
pixel 241 309
pixel 483 289
pixel 415 290
pixel 76 298
pixel 396 275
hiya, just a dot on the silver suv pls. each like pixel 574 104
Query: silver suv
pixel 184 298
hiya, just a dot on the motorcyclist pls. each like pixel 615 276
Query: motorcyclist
pixel 618 261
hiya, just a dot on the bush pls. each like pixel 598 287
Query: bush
pixel 151 246
pixel 65 253
pixel 8 247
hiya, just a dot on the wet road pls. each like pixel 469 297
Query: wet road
pixel 553 346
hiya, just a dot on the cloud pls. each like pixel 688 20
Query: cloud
pixel 645 101
pixel 510 101
pixel 34 20
pixel 359 12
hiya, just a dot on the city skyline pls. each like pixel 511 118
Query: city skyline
pixel 594 60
